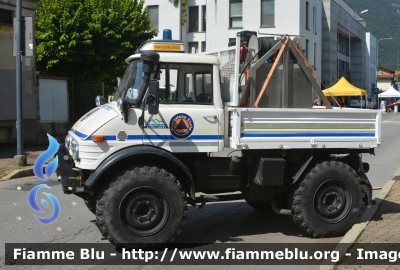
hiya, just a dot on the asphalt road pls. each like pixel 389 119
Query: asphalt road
pixel 218 222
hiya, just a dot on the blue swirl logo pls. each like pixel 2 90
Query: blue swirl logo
pixel 32 202
pixel 38 171
pixel 41 160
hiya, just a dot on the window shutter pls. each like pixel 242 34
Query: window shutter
pixel 153 14
pixel 268 12
pixel 193 19
pixel 236 9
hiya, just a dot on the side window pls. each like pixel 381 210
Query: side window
pixel 189 91
pixel 203 88
pixel 203 84
pixel 172 74
pixel 173 84
pixel 185 83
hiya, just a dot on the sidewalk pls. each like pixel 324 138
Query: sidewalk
pixel 382 229
pixel 8 169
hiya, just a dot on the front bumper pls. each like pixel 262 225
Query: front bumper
pixel 67 173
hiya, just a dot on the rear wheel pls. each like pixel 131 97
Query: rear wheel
pixel 328 200
pixel 145 205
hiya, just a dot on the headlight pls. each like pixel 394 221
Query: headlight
pixel 100 100
pixel 75 149
pixel 67 141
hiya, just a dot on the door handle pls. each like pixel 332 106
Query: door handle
pixel 213 116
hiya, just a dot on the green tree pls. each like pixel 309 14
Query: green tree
pixel 88 40
pixel 184 9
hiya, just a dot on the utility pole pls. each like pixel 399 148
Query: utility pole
pixel 19 158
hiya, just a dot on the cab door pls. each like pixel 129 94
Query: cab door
pixel 187 120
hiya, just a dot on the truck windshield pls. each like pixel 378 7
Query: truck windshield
pixel 131 82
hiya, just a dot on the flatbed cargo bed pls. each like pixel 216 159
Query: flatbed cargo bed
pixel 265 128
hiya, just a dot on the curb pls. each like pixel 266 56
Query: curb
pixel 350 237
pixel 19 173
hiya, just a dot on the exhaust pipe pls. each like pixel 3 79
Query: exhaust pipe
pixel 280 211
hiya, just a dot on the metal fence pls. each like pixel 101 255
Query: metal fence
pixel 82 97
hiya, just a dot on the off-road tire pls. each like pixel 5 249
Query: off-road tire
pixel 328 200
pixel 261 206
pixel 125 219
pixel 91 204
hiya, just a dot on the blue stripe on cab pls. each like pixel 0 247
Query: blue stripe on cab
pixel 135 137
pixel 193 137
pixel 309 134
pixel 79 134
pixel 152 137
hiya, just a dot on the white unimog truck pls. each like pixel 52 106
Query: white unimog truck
pixel 139 160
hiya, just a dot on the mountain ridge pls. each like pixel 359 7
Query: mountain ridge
pixel 383 21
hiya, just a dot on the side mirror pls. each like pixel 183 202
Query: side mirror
pixel 153 101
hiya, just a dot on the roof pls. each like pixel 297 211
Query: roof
pixel 386 76
pixel 181 58
pixel 344 88
pixel 385 70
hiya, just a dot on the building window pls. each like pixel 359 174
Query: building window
pixel 153 14
pixel 193 19
pixel 267 12
pixel 315 19
pixel 307 19
pixel 232 42
pixel 315 56
pixel 307 49
pixel 193 46
pixel 6 17
pixel 235 15
pixel 203 46
pixel 343 44
pixel 343 69
pixel 204 15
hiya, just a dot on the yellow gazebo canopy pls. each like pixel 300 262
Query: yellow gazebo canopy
pixel 344 88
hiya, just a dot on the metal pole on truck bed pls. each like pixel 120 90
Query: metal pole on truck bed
pixel 271 72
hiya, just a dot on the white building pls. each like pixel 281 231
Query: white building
pixel 370 59
pixel 165 15
pixel 322 26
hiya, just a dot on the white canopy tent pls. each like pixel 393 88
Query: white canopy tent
pixel 391 92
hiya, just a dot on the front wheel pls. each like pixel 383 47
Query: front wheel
pixel 144 205
pixel 328 200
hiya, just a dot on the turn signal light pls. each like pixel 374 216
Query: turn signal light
pixel 98 138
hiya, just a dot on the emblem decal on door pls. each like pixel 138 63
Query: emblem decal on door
pixel 156 121
pixel 181 126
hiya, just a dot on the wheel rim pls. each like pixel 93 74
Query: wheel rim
pixel 332 201
pixel 144 211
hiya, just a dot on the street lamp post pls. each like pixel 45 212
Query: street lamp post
pixel 351 18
